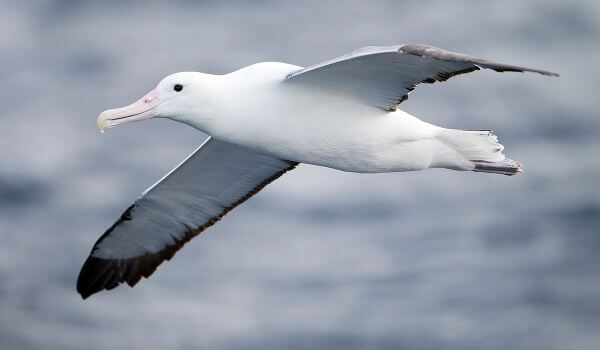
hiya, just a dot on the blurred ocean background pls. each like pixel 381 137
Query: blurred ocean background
pixel 320 259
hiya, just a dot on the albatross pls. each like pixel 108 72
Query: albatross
pixel 265 119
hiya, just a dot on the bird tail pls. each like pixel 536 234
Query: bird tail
pixel 479 151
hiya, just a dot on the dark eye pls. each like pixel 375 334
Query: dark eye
pixel 178 87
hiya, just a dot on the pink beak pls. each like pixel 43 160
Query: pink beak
pixel 144 108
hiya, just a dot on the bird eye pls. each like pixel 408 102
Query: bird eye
pixel 178 87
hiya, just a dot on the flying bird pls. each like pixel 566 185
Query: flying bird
pixel 265 119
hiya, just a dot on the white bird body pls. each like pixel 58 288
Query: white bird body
pixel 265 119
pixel 315 126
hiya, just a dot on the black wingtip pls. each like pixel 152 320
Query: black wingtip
pixel 99 274
pixel 94 276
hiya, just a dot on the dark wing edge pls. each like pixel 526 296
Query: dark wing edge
pixel 437 53
pixel 98 274
pixel 449 56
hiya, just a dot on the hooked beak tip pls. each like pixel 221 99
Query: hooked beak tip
pixel 101 121
pixel 144 108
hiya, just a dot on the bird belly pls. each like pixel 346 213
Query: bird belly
pixel 364 140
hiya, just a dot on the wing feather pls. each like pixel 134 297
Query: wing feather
pixel 384 76
pixel 212 181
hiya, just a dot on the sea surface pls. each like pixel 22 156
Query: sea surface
pixel 320 259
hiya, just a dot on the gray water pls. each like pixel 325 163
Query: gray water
pixel 320 259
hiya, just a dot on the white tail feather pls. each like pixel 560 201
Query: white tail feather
pixel 480 150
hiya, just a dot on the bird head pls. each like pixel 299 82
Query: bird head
pixel 179 96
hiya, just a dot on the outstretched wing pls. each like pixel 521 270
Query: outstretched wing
pixel 213 180
pixel 384 76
